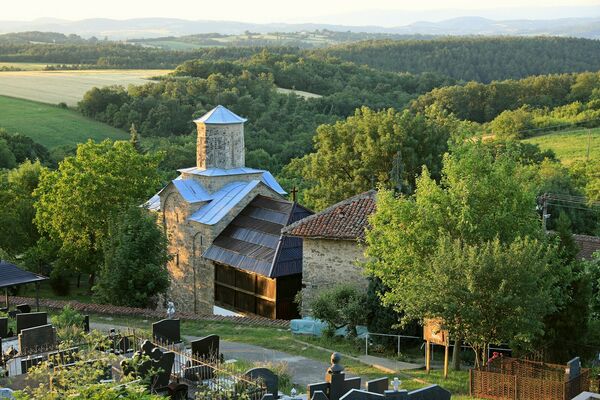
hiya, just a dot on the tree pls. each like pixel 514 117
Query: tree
pixel 466 245
pixel 7 158
pixel 135 256
pixel 134 138
pixel 16 208
pixel 76 202
pixel 340 306
pixel 367 149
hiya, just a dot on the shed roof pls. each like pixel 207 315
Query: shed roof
pixel 253 240
pixel 221 116
pixel 346 220
pixel 11 275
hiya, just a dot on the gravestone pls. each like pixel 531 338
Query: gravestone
pixel 167 331
pixel 313 388
pixel 433 392
pixel 319 395
pixel 37 339
pixel 270 380
pixel 162 362
pixel 24 308
pixel 3 327
pixel 86 323
pixel 206 348
pixel 573 368
pixel 378 385
pixel 30 320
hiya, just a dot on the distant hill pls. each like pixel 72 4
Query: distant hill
pixel 586 27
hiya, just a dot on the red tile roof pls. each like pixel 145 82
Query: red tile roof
pixel 345 220
pixel 588 245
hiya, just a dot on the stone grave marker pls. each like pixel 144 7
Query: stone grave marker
pixel 3 327
pixel 24 308
pixel 573 368
pixel 30 320
pixel 167 330
pixel 37 339
pixel 270 380
pixel 433 392
pixel 378 385
pixel 206 348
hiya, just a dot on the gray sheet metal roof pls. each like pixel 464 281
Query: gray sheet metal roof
pixel 253 241
pixel 11 275
pixel 221 116
pixel 191 191
pixel 222 202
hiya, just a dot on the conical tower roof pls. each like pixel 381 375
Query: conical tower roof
pixel 221 116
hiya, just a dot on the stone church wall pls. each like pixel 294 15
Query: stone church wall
pixel 220 146
pixel 327 263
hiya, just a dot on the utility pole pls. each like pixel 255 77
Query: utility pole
pixel 544 211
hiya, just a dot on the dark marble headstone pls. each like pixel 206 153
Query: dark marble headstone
pixel 356 394
pixel 270 380
pixel 396 395
pixel 165 365
pixel 36 340
pixel 319 395
pixel 574 368
pixel 378 385
pixel 313 388
pixel 3 327
pixel 24 308
pixel 433 392
pixel 206 348
pixel 147 347
pixel 86 323
pixel 30 320
pixel 167 331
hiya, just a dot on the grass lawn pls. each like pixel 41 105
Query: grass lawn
pixel 67 86
pixel 570 145
pixel 50 125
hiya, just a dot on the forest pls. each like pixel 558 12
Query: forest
pixel 481 59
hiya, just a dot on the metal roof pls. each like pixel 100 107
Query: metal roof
pixel 223 201
pixel 221 116
pixel 191 191
pixel 11 275
pixel 220 171
pixel 253 241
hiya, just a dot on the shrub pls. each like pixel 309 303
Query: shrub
pixel 342 305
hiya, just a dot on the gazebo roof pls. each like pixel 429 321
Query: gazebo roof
pixel 11 275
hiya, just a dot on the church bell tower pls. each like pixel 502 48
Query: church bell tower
pixel 220 140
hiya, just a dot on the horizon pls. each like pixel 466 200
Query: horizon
pixel 382 13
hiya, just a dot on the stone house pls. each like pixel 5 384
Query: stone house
pixel 223 221
pixel 332 249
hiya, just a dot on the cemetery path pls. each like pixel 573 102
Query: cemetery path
pixel 303 370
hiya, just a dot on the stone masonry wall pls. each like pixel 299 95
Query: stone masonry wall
pixel 326 263
pixel 220 146
pixel 192 276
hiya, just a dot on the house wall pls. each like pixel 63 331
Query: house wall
pixel 327 263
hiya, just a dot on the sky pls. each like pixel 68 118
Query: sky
pixel 262 11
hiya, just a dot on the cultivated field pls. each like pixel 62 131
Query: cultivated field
pixel 306 95
pixel 50 125
pixel 570 145
pixel 67 86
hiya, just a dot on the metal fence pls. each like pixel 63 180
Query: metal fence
pixel 516 379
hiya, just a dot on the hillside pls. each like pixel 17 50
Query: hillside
pixel 481 59
pixel 50 125
pixel 570 145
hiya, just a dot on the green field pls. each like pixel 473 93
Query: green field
pixel 67 86
pixel 25 66
pixel 572 145
pixel 50 125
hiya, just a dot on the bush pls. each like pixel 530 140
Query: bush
pixel 60 281
pixel 343 305
pixel 68 323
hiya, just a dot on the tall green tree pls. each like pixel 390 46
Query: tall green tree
pixel 134 272
pixel 76 202
pixel 468 249
pixel 16 207
pixel 371 148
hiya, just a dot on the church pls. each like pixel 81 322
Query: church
pixel 223 222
